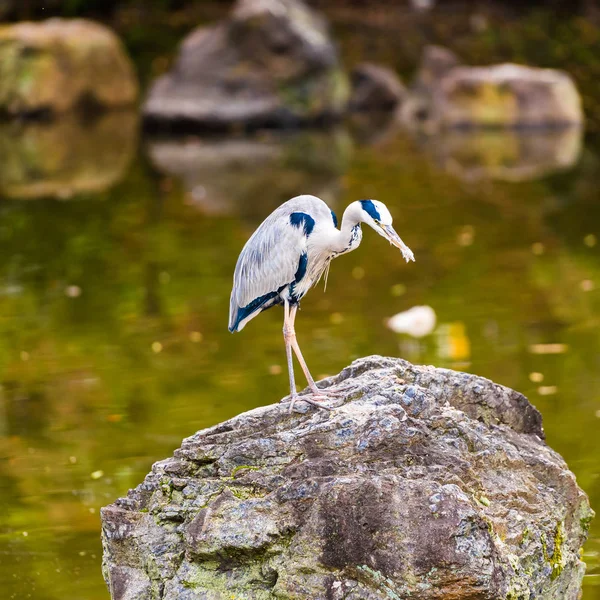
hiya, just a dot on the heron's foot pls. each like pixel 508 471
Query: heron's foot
pixel 317 397
pixel 328 392
pixel 312 399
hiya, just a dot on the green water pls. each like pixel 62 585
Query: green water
pixel 116 258
pixel 114 299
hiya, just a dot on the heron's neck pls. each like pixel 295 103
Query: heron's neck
pixel 350 234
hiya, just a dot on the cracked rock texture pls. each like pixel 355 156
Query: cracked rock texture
pixel 425 483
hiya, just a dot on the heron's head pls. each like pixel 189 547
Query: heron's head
pixel 376 215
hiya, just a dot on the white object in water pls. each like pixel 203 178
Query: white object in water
pixel 418 321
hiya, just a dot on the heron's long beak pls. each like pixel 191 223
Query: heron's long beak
pixel 394 239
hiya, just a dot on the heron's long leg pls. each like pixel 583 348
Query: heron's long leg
pixel 289 335
pixel 326 393
pixel 288 351
pixel 296 347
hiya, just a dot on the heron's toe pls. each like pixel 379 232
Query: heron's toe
pixel 329 393
pixel 316 400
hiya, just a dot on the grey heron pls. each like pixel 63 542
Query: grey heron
pixel 288 254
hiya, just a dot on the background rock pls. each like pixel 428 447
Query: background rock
pixel 375 88
pixel 54 65
pixel 270 63
pixel 436 62
pixel 426 483
pixel 506 96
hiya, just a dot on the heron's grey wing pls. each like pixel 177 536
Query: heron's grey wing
pixel 268 261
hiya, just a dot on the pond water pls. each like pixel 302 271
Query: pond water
pixel 116 258
pixel 114 295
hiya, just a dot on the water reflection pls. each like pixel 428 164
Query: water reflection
pixel 67 156
pixel 113 317
pixel 506 155
pixel 374 128
pixel 252 175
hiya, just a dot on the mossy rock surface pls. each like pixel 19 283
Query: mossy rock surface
pixel 422 483
pixel 55 65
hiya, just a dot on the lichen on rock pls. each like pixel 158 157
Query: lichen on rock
pixel 423 483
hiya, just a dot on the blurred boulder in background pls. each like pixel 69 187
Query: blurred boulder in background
pixel 375 88
pixel 446 94
pixel 271 62
pixel 506 95
pixel 67 156
pixel 436 61
pixel 55 65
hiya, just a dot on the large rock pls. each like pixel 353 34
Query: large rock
pixel 375 88
pixel 56 64
pixel 271 62
pixel 425 483
pixel 506 96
